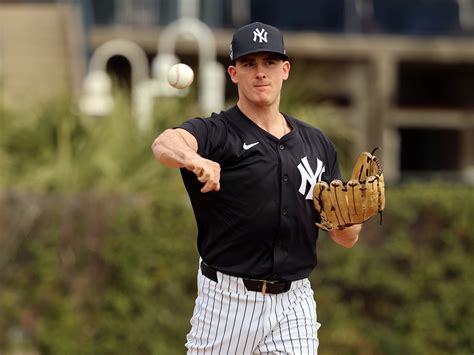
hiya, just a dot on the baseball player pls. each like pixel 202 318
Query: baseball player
pixel 250 173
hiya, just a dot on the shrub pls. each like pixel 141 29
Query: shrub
pixel 98 248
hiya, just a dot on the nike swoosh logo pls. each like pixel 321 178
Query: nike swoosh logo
pixel 248 146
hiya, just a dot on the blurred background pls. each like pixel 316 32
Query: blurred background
pixel 97 241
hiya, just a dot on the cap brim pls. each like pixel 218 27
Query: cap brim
pixel 261 50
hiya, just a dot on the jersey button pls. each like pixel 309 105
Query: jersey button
pixel 281 147
pixel 285 178
pixel 284 212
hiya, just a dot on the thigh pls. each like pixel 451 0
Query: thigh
pixel 296 327
pixel 226 318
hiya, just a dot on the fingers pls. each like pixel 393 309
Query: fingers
pixel 211 186
pixel 209 174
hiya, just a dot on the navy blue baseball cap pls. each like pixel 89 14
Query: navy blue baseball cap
pixel 257 37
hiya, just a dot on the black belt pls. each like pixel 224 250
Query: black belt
pixel 262 286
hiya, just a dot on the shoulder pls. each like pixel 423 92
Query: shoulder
pixel 307 129
pixel 219 118
pixel 197 124
pixel 313 136
pixel 210 132
pixel 227 121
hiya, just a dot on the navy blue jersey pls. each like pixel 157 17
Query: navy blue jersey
pixel 261 224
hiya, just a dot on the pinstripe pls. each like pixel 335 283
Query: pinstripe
pixel 194 317
pixel 226 319
pixel 270 328
pixel 305 325
pixel 311 303
pixel 262 328
pixel 314 329
pixel 297 328
pixel 291 338
pixel 197 310
pixel 289 328
pixel 311 334
pixel 251 318
pixel 236 285
pixel 259 319
pixel 205 314
pixel 292 329
pixel 305 336
pixel 261 323
pixel 218 321
pixel 233 324
pixel 212 310
pixel 266 347
pixel 243 321
pixel 276 314
pixel 308 327
pixel 307 331
pixel 270 322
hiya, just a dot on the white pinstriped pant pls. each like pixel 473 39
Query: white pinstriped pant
pixel 230 320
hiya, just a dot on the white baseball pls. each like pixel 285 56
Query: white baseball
pixel 180 76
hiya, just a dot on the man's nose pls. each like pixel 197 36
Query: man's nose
pixel 260 72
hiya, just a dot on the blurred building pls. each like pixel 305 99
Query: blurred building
pixel 401 72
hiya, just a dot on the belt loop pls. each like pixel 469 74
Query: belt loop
pixel 264 287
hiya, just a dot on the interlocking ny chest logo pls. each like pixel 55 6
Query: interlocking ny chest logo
pixel 309 177
pixel 260 34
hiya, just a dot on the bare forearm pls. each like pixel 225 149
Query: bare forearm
pixel 346 237
pixel 177 148
pixel 172 150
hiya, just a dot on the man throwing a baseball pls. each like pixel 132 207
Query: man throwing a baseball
pixel 250 173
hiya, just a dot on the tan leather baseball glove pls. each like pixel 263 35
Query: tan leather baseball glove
pixel 342 204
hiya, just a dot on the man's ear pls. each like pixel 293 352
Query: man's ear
pixel 286 69
pixel 232 71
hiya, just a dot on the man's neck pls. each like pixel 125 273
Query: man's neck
pixel 267 118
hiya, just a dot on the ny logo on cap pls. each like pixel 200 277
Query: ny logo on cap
pixel 261 34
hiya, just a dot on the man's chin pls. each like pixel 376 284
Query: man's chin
pixel 262 98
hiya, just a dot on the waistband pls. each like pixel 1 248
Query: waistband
pixel 263 286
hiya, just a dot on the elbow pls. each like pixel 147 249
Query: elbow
pixel 159 153
pixel 157 147
pixel 162 151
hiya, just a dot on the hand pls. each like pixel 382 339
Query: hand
pixel 207 172
pixel 346 237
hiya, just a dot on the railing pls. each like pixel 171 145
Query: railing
pixel 405 17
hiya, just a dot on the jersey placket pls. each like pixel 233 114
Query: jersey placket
pixel 280 251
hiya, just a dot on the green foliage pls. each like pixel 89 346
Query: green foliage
pixel 93 230
pixel 99 253
pixel 58 149
pixel 405 288
pixel 98 273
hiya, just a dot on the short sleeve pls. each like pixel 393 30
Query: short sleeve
pixel 210 133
